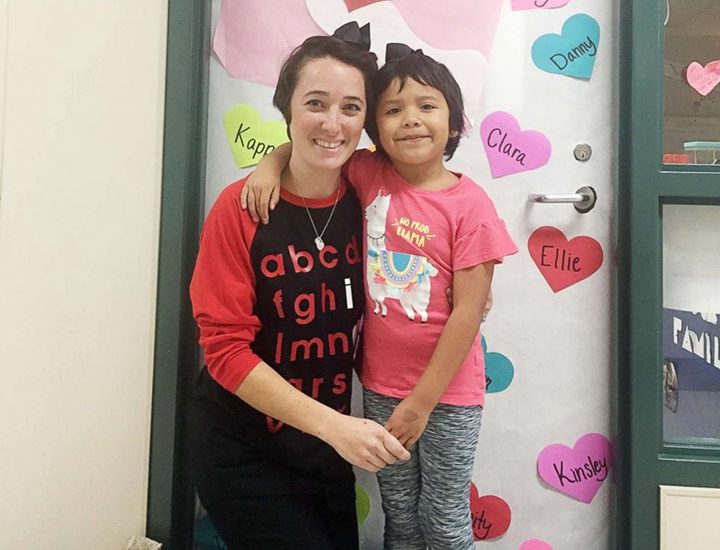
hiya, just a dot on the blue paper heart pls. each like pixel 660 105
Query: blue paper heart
pixel 499 371
pixel 571 53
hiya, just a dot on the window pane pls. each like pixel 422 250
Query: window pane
pixel 691 324
pixel 692 82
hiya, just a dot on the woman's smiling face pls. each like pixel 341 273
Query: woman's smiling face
pixel 328 108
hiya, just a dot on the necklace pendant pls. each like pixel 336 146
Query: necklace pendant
pixel 319 243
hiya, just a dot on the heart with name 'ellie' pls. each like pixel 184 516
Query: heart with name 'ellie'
pixel 563 262
pixel 571 53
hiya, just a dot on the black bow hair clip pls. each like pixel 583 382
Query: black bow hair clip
pixel 354 34
pixel 397 50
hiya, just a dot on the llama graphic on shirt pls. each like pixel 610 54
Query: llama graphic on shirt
pixel 395 275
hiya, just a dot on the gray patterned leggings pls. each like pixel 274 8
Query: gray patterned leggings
pixel 426 500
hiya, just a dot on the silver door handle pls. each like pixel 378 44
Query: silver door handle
pixel 583 199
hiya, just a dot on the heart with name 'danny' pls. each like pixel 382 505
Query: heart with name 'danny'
pixel 571 53
pixel 564 262
pixel 518 5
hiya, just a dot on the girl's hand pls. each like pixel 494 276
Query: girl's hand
pixel 259 195
pixel 365 443
pixel 408 422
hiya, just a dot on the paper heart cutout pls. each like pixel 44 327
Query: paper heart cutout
pixel 535 544
pixel 499 370
pixel 490 515
pixel 578 472
pixel 362 504
pixel 703 79
pixel 571 53
pixel 509 149
pixel 518 5
pixel 561 262
pixel 250 138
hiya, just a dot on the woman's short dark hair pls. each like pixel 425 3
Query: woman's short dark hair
pixel 424 70
pixel 318 47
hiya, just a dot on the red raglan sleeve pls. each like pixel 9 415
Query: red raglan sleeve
pixel 222 291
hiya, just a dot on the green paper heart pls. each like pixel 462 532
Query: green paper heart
pixel 362 504
pixel 250 138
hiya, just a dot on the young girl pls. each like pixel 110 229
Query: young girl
pixel 426 229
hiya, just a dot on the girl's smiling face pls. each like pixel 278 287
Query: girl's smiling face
pixel 413 124
pixel 328 109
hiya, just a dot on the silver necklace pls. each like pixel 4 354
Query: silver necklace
pixel 319 243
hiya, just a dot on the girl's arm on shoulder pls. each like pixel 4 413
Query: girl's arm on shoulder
pixel 262 188
pixel 470 291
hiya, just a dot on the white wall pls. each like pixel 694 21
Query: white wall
pixel 81 139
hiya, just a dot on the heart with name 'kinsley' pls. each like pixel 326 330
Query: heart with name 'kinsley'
pixel 509 149
pixel 563 262
pixel 490 515
pixel 579 471
pixel 571 53
pixel 703 79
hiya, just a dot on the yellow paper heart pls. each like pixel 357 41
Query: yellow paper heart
pixel 249 137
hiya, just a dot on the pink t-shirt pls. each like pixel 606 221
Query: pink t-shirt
pixel 414 240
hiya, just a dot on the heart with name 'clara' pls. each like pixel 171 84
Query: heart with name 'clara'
pixel 703 79
pixel 578 472
pixel 535 544
pixel 490 515
pixel 518 5
pixel 571 53
pixel 509 149
pixel 563 262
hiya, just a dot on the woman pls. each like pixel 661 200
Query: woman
pixel 278 307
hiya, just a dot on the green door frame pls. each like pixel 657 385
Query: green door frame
pixel 645 462
pixel 171 503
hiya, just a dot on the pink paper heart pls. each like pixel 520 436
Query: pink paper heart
pixel 537 4
pixel 703 79
pixel 510 150
pixel 563 262
pixel 578 472
pixel 535 544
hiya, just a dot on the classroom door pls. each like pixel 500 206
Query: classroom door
pixel 538 80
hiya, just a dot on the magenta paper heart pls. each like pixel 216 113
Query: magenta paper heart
pixel 518 5
pixel 509 149
pixel 703 79
pixel 578 472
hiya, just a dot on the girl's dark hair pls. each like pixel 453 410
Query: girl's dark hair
pixel 424 70
pixel 317 47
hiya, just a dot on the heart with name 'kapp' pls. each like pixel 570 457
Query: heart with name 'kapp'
pixel 509 149
pixel 563 262
pixel 571 53
pixel 580 471
pixel 250 137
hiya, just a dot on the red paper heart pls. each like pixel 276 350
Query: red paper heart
pixel 490 515
pixel 564 263
pixel 352 5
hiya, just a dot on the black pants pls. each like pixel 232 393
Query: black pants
pixel 322 521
